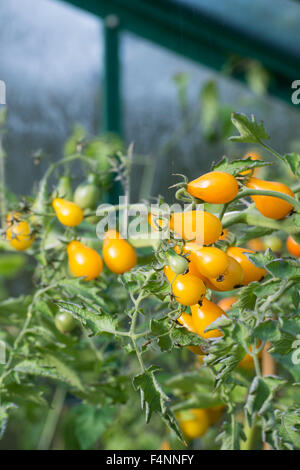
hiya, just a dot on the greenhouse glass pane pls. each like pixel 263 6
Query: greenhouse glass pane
pixel 275 22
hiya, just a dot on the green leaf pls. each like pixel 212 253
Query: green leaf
pixel 284 269
pixel 153 399
pixel 268 331
pixel 90 422
pixel 101 323
pixel 260 259
pixel 258 397
pixel 50 366
pixel 250 131
pixel 236 167
pixel 161 330
pixel 289 428
pixel 292 160
pixel 182 337
pixel 247 297
pixel 254 232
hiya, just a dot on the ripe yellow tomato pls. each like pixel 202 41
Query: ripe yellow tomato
pixel 269 206
pixel 188 289
pixel 226 303
pixel 210 261
pixel 186 320
pixel 232 278
pixel 18 232
pixel 67 212
pixel 293 247
pixel 194 423
pixel 192 268
pixel 203 315
pixel 191 225
pixel 215 187
pixel 251 272
pixel 119 256
pixel 224 235
pixel 254 156
pixel 84 261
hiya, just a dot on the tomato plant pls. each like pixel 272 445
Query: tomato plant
pixel 206 333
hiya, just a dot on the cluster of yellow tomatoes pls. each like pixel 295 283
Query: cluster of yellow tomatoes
pixel 119 256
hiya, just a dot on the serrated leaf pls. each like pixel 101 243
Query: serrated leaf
pixel 50 366
pixel 284 269
pixel 236 167
pixel 182 337
pixel 250 131
pixel 268 331
pixel 102 323
pixel 289 428
pixel 260 259
pixel 259 394
pixel 247 297
pixel 153 399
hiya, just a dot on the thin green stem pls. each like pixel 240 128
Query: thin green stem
pixel 50 426
pixel 262 192
pixel 271 150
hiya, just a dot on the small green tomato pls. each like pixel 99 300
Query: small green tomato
pixel 64 322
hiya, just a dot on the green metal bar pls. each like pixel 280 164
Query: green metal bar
pixel 198 36
pixel 112 76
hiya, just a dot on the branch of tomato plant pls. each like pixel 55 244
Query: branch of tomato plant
pixel 6 371
pixel 250 216
pixel 286 285
pixel 261 192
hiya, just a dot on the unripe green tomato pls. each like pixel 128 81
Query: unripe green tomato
pixel 273 242
pixel 87 196
pixel 64 188
pixel 177 263
pixel 64 322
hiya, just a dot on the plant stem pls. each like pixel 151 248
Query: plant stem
pixel 263 192
pixel 50 426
